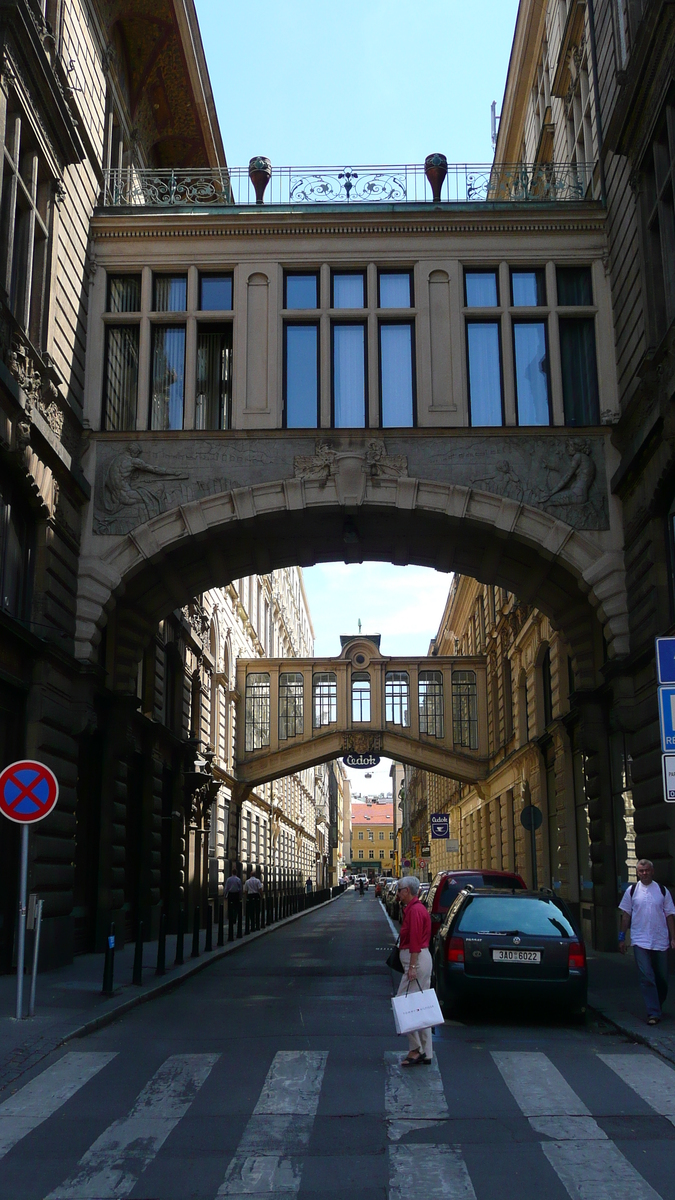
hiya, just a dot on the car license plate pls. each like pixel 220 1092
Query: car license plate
pixel 516 956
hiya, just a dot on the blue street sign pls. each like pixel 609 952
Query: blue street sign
pixel 440 825
pixel 665 659
pixel 667 718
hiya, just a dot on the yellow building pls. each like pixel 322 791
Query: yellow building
pixel 372 836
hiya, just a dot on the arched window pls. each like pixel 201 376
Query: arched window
pixel 397 698
pixel 465 709
pixel 291 696
pixel 324 690
pixel 361 696
pixel 431 703
pixel 257 710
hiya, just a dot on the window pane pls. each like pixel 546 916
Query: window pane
pixel 528 289
pixel 360 697
pixel 324 688
pixel 485 383
pixel 121 377
pixel 214 378
pixel 396 374
pixel 581 400
pixel 215 293
pixel 531 373
pixel 170 293
pixel 481 289
pixel 430 690
pixel 394 290
pixel 301 291
pixel 465 709
pixel 168 373
pixel 397 699
pixel 257 715
pixel 290 704
pixel 302 378
pixel 349 376
pixel 124 293
pixel 574 285
pixel 348 291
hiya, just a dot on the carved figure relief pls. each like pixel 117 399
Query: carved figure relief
pixel 325 462
pixel 125 487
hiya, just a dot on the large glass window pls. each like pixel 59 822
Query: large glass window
pixel 124 293
pixel 360 696
pixel 349 289
pixel 170 293
pixel 575 286
pixel 349 376
pixel 291 704
pixel 257 710
pixel 215 293
pixel 430 695
pixel 658 210
pixel 302 290
pixel 324 695
pixel 485 372
pixel 16 556
pixel 581 398
pixel 121 377
pixel 531 364
pixel 213 402
pixel 528 289
pixel 465 709
pixel 168 376
pixel 301 405
pixel 395 289
pixel 481 289
pixel 397 698
pixel 396 375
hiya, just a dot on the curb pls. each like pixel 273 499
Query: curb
pixel 636 1035
pixel 189 970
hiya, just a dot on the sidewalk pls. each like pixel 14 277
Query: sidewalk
pixel 613 993
pixel 69 1003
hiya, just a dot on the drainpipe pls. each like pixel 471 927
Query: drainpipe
pixel 596 96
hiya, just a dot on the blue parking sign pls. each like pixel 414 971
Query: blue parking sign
pixel 667 718
pixel 665 659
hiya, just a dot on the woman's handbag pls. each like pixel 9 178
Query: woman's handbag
pixel 394 960
pixel 416 1010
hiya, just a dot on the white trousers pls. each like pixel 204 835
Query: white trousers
pixel 420 1039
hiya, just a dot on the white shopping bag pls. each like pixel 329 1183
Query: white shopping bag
pixel 416 1009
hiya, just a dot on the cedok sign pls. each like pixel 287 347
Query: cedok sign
pixel 440 825
pixel 361 761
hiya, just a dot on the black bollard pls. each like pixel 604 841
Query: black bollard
pixel 247 922
pixel 161 946
pixel 239 919
pixel 195 934
pixel 208 945
pixel 230 918
pixel 221 924
pixel 109 963
pixel 179 939
pixel 137 977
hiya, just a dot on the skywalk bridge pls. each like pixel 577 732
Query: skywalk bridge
pixel 295 713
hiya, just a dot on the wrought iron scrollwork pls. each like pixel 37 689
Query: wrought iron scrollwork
pixel 338 187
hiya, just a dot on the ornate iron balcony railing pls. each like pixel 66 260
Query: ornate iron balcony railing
pixel 464 183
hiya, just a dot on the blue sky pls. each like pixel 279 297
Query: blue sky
pixel 314 82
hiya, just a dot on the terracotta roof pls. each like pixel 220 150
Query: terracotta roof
pixel 372 814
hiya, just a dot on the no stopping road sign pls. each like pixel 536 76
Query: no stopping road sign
pixel 28 791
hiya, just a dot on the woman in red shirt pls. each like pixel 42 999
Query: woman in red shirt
pixel 413 945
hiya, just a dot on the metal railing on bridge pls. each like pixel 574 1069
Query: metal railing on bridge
pixel 462 183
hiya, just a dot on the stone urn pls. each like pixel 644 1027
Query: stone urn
pixel 436 169
pixel 260 173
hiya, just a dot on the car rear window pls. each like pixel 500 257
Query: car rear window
pixel 508 914
pixel 452 887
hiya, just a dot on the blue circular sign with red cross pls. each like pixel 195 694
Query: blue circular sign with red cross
pixel 28 791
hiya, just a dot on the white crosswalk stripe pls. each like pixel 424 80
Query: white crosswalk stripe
pixel 268 1160
pixel 43 1096
pixel 114 1163
pixel 649 1076
pixel 588 1165
pixel 413 1096
pixel 431 1172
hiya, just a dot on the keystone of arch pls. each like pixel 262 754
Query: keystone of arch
pixel 588 556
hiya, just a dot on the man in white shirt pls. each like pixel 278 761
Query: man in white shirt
pixel 647 909
pixel 253 888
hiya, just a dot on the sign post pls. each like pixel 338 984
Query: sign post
pixel 530 819
pixel 28 793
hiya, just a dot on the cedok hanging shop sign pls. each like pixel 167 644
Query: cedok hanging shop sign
pixel 361 761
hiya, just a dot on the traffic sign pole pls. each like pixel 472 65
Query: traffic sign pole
pixel 21 948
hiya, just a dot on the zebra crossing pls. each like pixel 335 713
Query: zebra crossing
pixel 277 1139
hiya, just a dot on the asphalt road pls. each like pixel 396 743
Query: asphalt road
pixel 275 1073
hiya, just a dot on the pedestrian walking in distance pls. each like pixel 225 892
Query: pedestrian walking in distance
pixel 253 889
pixel 309 886
pixel 233 896
pixel 647 909
pixel 413 944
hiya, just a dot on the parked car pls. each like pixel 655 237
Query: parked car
pixel 499 945
pixel 391 899
pixel 448 884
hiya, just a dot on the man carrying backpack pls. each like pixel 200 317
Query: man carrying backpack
pixel 647 909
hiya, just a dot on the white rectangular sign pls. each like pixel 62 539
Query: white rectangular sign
pixel 669 778
pixel 453 846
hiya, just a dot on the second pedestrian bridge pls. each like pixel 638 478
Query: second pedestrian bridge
pixel 293 713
